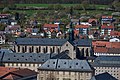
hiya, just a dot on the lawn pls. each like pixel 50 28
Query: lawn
pixel 65 5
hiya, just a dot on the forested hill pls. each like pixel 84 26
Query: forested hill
pixel 58 1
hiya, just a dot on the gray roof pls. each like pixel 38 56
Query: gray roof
pixel 66 65
pixel 26 57
pixel 83 42
pixel 40 41
pixel 5 51
pixel 104 76
pixel 1 56
pixel 107 61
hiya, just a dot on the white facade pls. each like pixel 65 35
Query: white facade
pixel 2 40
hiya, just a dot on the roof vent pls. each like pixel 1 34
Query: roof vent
pixel 53 62
pixel 48 66
pixel 64 62
pixel 76 63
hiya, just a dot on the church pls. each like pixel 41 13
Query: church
pixel 74 48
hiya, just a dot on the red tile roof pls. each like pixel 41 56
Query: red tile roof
pixel 82 26
pixel 15 73
pixel 91 20
pixel 114 33
pixel 107 27
pixel 107 16
pixel 50 26
pixel 100 50
pixel 106 44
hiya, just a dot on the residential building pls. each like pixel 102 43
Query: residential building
pixel 114 34
pixel 4 18
pixel 82 29
pixel 107 51
pixel 105 76
pixel 106 20
pixel 110 64
pixel 8 73
pixel 51 27
pixel 65 69
pixel 94 22
pixel 106 30
pixel 13 29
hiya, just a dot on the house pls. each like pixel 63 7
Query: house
pixel 105 76
pixel 4 18
pixel 8 73
pixel 82 29
pixel 110 64
pixel 2 39
pixel 106 51
pixel 65 69
pixel 94 22
pixel 106 20
pixel 114 34
pixel 13 29
pixel 51 27
pixel 106 30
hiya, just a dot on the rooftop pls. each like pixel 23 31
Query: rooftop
pixel 107 61
pixel 26 57
pixel 105 76
pixel 40 41
pixel 66 65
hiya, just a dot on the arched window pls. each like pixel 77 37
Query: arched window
pixel 46 49
pixel 87 53
pixel 18 48
pixel 82 51
pixel 37 51
pixel 50 50
pixel 39 48
pixel 53 49
pixel 58 50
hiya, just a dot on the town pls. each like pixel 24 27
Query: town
pixel 58 42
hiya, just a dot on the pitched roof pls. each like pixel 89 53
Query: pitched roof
pixel 107 27
pixel 15 73
pixel 107 17
pixel 26 57
pixel 114 33
pixel 82 26
pixel 66 65
pixel 40 41
pixel 100 50
pixel 50 26
pixel 83 42
pixel 91 20
pixel 107 61
pixel 105 76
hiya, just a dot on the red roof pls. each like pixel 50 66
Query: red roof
pixel 50 26
pixel 82 26
pixel 107 27
pixel 100 50
pixel 106 44
pixel 91 20
pixel 115 33
pixel 107 17
pixel 8 73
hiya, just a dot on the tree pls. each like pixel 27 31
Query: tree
pixel 116 5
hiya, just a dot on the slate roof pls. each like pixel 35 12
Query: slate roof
pixel 40 41
pixel 106 61
pixel 26 57
pixel 104 76
pixel 66 65
pixel 62 55
pixel 83 42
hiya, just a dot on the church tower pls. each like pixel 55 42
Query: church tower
pixel 71 33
